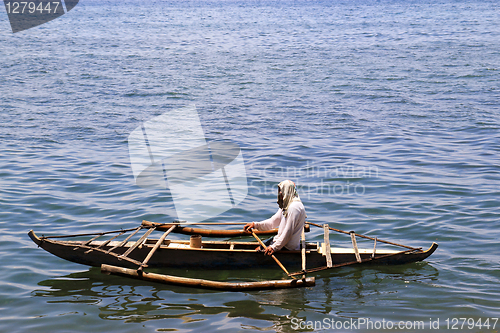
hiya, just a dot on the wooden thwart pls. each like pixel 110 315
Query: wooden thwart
pixel 207 284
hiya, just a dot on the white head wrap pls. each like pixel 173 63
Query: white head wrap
pixel 289 192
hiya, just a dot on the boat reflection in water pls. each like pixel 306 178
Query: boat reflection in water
pixel 338 294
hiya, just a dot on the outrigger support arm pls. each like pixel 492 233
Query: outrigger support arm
pixel 157 245
pixel 363 236
pixel 317 269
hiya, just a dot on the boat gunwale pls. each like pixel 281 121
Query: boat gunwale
pixel 314 248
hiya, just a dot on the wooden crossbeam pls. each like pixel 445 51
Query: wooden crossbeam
pixel 136 262
pixel 125 240
pixel 157 245
pixel 89 241
pixel 139 242
pixel 93 239
pixel 106 242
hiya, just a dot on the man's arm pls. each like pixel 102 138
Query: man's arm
pixel 271 223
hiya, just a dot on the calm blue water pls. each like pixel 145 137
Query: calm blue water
pixel 386 114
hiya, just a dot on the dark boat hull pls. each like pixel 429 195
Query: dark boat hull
pixel 217 255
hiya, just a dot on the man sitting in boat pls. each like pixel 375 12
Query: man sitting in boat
pixel 289 219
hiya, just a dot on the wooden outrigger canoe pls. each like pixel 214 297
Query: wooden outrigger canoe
pixel 128 257
pixel 214 254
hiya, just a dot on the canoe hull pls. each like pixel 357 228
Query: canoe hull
pixel 215 255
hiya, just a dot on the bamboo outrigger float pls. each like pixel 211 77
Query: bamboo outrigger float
pixel 207 284
pixel 129 258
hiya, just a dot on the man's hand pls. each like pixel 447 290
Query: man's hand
pixel 269 251
pixel 248 227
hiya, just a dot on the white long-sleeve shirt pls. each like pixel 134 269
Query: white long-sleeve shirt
pixel 289 228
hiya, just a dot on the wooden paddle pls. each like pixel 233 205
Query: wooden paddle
pixel 272 255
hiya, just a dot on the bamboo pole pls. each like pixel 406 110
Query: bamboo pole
pixel 205 232
pixel 89 234
pixel 200 223
pixel 207 284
